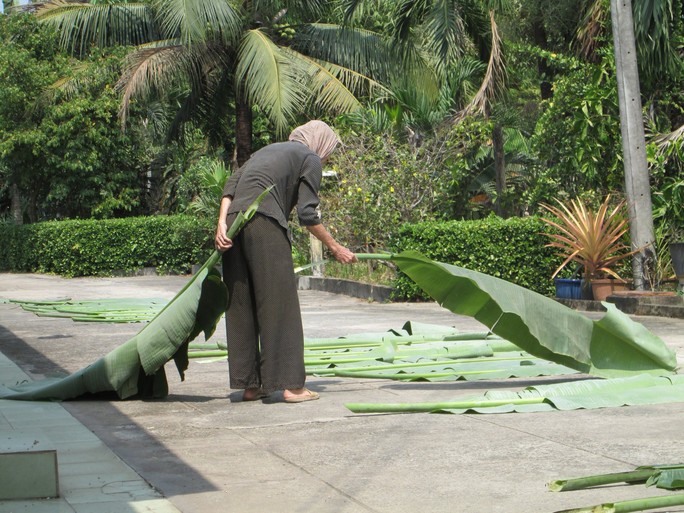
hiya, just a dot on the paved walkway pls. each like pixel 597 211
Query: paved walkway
pixel 202 451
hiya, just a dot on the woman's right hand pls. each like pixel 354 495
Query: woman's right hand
pixel 344 255
pixel 221 242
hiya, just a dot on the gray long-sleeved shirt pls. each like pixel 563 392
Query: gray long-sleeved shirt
pixel 295 172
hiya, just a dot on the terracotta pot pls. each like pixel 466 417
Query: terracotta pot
pixel 604 287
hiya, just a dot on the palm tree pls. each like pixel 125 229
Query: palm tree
pixel 231 57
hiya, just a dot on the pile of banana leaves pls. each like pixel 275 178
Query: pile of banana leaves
pixel 96 310
pixel 423 352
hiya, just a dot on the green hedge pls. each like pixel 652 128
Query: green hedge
pixel 511 249
pixel 90 247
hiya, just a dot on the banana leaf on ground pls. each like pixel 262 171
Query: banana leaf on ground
pixel 571 395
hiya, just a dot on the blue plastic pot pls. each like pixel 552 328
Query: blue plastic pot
pixel 568 288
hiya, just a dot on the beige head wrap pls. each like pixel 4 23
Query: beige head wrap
pixel 317 136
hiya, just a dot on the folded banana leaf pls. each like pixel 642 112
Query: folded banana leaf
pixel 136 368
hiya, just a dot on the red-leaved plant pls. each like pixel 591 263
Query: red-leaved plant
pixel 592 239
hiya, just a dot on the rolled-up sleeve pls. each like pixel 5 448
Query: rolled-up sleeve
pixel 308 210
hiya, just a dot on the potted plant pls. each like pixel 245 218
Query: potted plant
pixel 592 239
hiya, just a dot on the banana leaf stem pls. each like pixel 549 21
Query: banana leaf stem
pixel 374 256
pixel 206 354
pixel 200 346
pixel 579 483
pixel 632 505
pixel 318 346
pixel 329 361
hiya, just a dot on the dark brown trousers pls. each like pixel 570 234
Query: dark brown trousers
pixel 263 321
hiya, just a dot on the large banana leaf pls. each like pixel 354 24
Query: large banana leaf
pixel 610 347
pixel 137 366
pixel 585 394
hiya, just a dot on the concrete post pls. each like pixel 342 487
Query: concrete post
pixel 316 251
pixel 637 187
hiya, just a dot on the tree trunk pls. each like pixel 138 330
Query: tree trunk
pixel 243 131
pixel 32 207
pixel 637 187
pixel 540 39
pixel 17 215
pixel 499 168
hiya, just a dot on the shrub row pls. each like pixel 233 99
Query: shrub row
pixel 511 249
pixel 90 247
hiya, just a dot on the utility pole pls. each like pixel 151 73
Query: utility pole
pixel 637 186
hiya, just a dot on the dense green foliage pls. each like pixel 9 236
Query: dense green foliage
pixel 512 249
pixel 62 150
pixel 377 186
pixel 585 155
pixel 172 244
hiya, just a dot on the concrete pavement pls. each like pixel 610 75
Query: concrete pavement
pixel 202 451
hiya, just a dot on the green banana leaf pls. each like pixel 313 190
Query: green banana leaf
pixel 610 347
pixel 586 394
pixel 668 477
pixel 137 366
